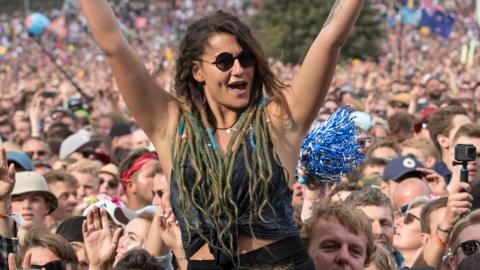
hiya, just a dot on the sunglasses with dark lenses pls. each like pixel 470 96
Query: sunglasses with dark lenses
pixel 88 153
pixel 225 60
pixel 40 153
pixel 469 247
pixel 111 183
pixel 409 218
pixel 53 265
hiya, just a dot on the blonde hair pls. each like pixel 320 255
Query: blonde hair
pixel 351 218
pixel 85 166
pixel 422 144
pixel 382 259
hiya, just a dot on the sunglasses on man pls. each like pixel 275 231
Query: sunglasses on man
pixel 40 153
pixel 225 60
pixel 469 247
pixel 111 183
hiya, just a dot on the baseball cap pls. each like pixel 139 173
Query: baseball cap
pixel 423 118
pixel 76 141
pixel 362 120
pixel 21 159
pixel 115 212
pixel 26 182
pixel 397 169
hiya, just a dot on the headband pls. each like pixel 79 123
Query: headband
pixel 137 165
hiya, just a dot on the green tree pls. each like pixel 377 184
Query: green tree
pixel 287 28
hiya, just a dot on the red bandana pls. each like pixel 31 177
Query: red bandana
pixel 137 165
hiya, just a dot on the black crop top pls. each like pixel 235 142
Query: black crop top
pixel 279 225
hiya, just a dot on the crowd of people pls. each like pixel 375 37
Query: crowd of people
pixel 83 187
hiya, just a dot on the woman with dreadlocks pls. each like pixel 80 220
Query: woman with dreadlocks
pixel 230 135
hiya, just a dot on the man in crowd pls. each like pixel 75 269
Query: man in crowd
pixel 86 173
pixel 338 236
pixel 32 199
pixel 379 210
pixel 37 149
pixel 137 174
pixel 64 187
pixel 442 126
pixel 398 170
pixel 466 134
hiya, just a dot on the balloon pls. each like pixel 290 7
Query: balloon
pixel 36 23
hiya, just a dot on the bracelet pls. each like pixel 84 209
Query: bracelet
pixel 7 214
pixel 439 241
pixel 447 231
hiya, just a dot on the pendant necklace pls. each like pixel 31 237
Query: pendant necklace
pixel 228 130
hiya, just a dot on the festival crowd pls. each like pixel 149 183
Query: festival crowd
pixel 81 161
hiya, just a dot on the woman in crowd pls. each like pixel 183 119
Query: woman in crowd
pixel 230 135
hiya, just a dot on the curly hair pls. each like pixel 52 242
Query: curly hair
pixel 211 193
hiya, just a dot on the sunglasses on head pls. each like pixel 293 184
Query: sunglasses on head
pixel 111 183
pixel 469 247
pixel 53 265
pixel 409 218
pixel 225 60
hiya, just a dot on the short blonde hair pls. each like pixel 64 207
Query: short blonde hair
pixel 422 144
pixel 85 166
pixel 351 218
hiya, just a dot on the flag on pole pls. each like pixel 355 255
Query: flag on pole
pixel 439 22
pixel 477 11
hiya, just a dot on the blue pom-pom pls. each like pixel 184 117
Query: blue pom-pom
pixel 331 149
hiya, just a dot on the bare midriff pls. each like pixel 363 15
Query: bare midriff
pixel 245 244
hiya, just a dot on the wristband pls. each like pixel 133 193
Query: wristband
pixel 447 231
pixel 7 214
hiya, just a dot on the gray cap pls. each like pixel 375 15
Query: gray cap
pixel 76 141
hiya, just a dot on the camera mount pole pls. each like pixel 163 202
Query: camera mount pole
pixel 463 171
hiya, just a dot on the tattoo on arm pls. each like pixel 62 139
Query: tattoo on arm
pixel 332 12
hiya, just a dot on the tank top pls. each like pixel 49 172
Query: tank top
pixel 278 222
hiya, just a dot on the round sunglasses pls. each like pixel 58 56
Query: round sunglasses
pixel 225 60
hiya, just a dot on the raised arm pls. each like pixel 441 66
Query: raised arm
pixel 311 84
pixel 151 106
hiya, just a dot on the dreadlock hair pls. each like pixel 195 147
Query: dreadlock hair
pixel 211 193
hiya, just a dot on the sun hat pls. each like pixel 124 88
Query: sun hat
pixel 26 182
pixel 111 169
